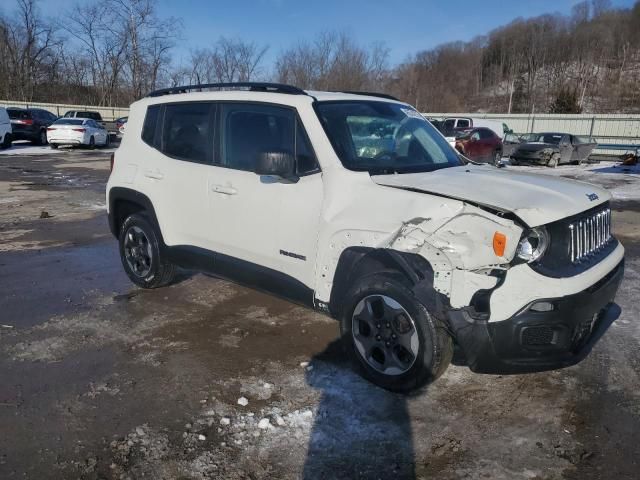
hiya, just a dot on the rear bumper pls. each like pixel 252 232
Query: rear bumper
pixel 533 341
pixel 64 141
pixel 25 133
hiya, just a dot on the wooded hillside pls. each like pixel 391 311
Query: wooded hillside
pixel 110 52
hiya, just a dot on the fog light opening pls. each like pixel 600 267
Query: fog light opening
pixel 542 307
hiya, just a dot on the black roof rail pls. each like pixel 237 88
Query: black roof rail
pixel 371 94
pixel 250 86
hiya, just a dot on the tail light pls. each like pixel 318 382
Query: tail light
pixel 111 160
pixel 50 128
pixel 28 121
pixel 82 130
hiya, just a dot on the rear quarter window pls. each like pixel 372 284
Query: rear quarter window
pixel 150 126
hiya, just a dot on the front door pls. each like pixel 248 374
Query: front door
pixel 267 221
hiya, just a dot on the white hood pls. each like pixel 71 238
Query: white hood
pixel 535 198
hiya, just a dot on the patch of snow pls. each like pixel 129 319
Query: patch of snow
pixel 27 148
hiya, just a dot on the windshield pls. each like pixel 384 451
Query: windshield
pixel 383 137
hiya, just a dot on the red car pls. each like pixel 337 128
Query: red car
pixel 480 145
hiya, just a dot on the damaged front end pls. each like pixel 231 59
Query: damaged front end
pixel 464 252
pixel 535 154
pixel 551 331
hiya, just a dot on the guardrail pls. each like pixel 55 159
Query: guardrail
pixel 59 109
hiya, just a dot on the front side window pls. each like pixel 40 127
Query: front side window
pixel 187 132
pixel 251 129
pixel 463 123
pixel 384 137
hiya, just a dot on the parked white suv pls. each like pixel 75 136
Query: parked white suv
pixel 5 128
pixel 356 206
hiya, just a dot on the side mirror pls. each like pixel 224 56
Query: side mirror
pixel 277 164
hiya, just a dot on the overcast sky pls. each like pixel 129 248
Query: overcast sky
pixel 405 26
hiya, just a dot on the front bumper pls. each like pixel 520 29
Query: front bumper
pixel 533 159
pixel 533 341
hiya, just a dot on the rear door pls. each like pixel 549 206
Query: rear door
pixel 180 175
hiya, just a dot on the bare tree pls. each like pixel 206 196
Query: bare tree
pixel 27 44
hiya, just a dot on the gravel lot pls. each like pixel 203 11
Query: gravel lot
pixel 207 379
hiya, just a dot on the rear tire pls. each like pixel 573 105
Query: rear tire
pixel 92 143
pixel 6 141
pixel 107 141
pixel 142 255
pixel 42 138
pixel 53 146
pixel 394 341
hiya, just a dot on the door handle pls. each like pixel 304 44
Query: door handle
pixel 225 190
pixel 155 174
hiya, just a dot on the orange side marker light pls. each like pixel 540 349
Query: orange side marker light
pixel 499 243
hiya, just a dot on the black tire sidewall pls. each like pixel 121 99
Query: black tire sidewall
pixel 142 222
pixel 427 365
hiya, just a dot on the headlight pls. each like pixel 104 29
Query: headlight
pixel 533 244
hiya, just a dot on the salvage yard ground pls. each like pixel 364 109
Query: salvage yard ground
pixel 102 380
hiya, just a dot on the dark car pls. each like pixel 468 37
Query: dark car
pixel 551 149
pixel 480 144
pixel 30 124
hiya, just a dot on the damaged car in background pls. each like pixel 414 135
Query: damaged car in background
pixel 550 149
pixel 354 205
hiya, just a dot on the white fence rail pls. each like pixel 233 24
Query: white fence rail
pixel 59 109
pixel 612 129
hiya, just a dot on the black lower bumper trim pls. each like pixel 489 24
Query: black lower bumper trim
pixel 534 341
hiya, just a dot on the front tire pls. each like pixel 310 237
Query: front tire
pixel 6 142
pixel 553 161
pixel 394 341
pixel 53 146
pixel 497 157
pixel 142 255
pixel 92 143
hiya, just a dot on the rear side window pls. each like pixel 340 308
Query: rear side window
pixel 187 132
pixel 150 125
pixel 251 129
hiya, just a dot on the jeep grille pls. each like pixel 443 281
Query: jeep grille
pixel 588 235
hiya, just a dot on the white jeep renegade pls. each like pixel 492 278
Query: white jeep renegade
pixel 353 204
